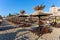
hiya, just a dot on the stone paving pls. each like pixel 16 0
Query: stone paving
pixel 24 34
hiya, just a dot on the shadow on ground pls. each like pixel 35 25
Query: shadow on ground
pixel 6 28
pixel 12 35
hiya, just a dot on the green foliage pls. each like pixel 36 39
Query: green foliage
pixel 9 15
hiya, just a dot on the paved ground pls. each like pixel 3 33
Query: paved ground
pixel 55 35
pixel 8 32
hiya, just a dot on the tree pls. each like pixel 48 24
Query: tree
pixel 10 14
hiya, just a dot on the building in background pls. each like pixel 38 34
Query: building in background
pixel 56 13
pixel 55 10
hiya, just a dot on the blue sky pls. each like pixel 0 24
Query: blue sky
pixel 14 6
